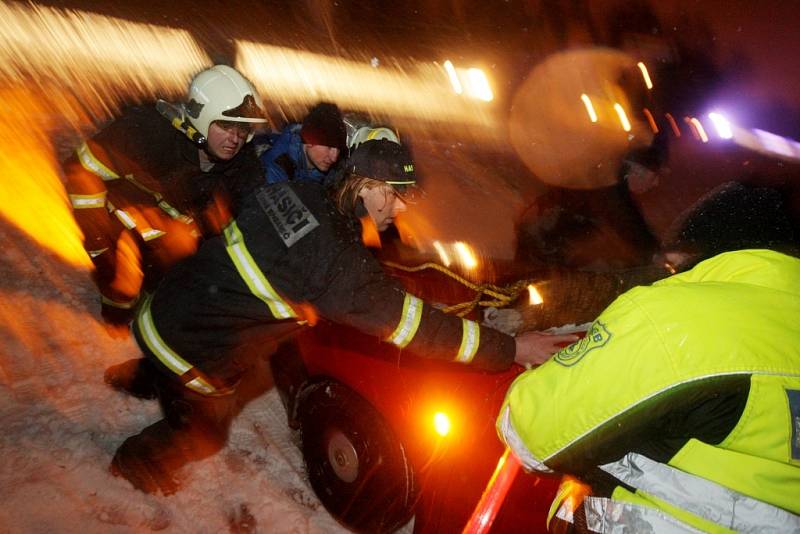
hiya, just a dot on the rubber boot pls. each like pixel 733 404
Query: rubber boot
pixel 149 460
pixel 136 377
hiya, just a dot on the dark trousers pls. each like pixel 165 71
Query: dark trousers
pixel 194 427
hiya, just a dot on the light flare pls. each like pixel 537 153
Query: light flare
pixel 587 102
pixel 722 125
pixel 102 59
pixel 697 129
pixel 479 85
pixel 452 75
pixel 441 423
pixel 293 79
pixel 72 70
pixel 645 75
pixel 442 253
pixel 650 120
pixel 534 297
pixel 465 255
pixel 40 207
pixel 623 117
pixel 673 124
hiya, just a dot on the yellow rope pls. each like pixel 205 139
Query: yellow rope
pixel 503 295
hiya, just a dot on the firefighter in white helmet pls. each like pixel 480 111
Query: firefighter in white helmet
pixel 152 183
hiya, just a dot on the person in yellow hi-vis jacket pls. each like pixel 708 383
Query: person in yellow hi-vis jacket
pixel 681 406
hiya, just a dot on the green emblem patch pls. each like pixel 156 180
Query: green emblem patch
pixel 597 336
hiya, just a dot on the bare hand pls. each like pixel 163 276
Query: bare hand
pixel 534 348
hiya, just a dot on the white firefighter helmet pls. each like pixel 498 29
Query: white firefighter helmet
pixel 367 133
pixel 221 93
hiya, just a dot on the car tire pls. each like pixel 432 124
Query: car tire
pixel 355 463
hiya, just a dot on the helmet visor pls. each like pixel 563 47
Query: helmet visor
pixel 247 111
pixel 408 190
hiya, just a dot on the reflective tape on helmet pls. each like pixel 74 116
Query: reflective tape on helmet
pixel 167 356
pixel 409 322
pixel 121 304
pixel 94 165
pixel 470 339
pixel 81 202
pixel 151 233
pixel 252 274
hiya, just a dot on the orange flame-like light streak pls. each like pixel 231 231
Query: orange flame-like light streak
pixel 534 297
pixel 59 68
pixel 295 78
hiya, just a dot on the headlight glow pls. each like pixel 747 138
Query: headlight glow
pixel 441 422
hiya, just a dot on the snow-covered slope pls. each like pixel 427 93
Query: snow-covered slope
pixel 60 425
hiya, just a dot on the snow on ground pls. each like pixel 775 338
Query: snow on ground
pixel 61 424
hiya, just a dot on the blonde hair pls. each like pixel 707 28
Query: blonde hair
pixel 346 195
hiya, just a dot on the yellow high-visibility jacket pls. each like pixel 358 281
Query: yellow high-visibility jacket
pixel 686 394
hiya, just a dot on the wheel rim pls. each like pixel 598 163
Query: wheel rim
pixel 342 456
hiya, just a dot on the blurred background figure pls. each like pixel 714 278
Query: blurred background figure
pixel 572 124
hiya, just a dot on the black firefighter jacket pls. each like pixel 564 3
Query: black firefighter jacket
pixel 290 251
pixel 141 176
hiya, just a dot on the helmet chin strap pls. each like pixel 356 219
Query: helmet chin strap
pixel 174 114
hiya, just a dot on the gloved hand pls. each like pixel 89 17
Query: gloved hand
pixel 507 320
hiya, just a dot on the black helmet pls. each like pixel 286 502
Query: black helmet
pixel 384 160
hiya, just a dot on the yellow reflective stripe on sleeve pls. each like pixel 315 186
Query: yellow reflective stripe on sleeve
pixel 95 253
pixel 409 322
pixel 151 233
pixel 470 339
pixel 166 355
pixel 125 218
pixel 94 165
pixel 80 202
pixel 123 305
pixel 252 275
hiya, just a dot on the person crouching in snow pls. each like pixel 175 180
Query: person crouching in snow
pixel 680 407
pixel 293 253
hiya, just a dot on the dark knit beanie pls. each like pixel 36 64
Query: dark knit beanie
pixel 735 216
pixel 324 125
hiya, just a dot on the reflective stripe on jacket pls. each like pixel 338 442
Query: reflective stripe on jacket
pixel 217 308
pixel 147 176
pixel 733 315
